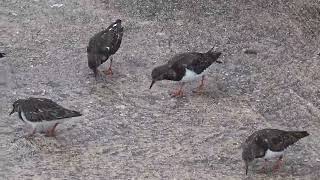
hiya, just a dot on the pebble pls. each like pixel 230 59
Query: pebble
pixel 56 5
pixel 121 107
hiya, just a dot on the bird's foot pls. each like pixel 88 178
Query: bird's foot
pixel 28 136
pixel 51 131
pixel 263 170
pixel 100 77
pixel 199 89
pixel 277 166
pixel 177 93
pixel 109 72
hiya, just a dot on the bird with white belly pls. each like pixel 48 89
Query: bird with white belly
pixel 42 114
pixel 185 67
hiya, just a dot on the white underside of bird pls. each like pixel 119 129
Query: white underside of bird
pixel 273 154
pixel 42 126
pixel 191 75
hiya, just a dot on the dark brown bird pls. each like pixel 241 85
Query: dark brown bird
pixel 185 67
pixel 103 45
pixel 42 114
pixel 269 144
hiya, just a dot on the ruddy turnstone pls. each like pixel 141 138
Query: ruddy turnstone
pixel 269 144
pixel 185 67
pixel 42 114
pixel 103 45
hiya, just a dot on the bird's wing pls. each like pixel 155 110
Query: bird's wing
pixel 194 61
pixel 41 109
pixel 200 63
pixel 184 59
pixel 109 41
pixel 117 39
pixel 283 139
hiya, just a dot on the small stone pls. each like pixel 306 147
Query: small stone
pixel 57 5
pixel 13 13
pixel 161 33
pixel 121 107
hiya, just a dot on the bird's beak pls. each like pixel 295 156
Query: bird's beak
pixel 152 84
pixel 11 112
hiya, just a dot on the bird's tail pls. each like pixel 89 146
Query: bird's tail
pixel 299 134
pixel 294 136
pixel 214 55
pixel 75 113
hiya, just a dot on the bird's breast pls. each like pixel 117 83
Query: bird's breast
pixel 272 154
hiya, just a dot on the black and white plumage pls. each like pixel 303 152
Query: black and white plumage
pixel 103 45
pixel 185 67
pixel 269 144
pixel 2 55
pixel 42 114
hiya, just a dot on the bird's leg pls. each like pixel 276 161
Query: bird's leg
pixel 51 132
pixel 100 76
pixel 200 87
pixel 264 168
pixel 109 70
pixel 278 164
pixel 96 73
pixel 178 93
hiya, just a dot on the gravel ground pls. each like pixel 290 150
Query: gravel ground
pixel 130 132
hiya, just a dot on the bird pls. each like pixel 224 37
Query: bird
pixel 2 55
pixel 269 144
pixel 103 45
pixel 42 114
pixel 185 67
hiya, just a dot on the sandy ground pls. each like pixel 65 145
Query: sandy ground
pixel 130 132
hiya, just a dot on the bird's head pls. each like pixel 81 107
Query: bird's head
pixel 162 73
pixel 16 106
